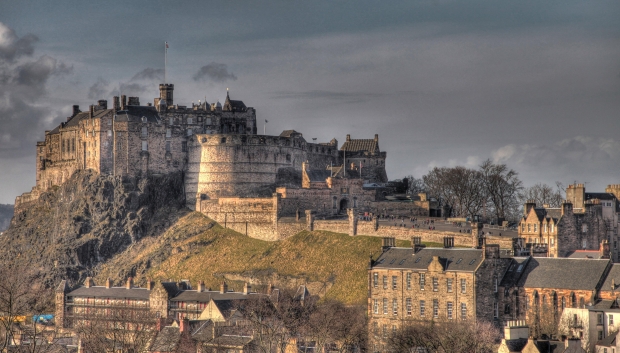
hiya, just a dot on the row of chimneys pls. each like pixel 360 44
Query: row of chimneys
pixel 349 137
pixel 491 251
pixel 247 288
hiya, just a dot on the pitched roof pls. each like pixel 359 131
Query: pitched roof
pixel 514 271
pixel 452 259
pixel 289 133
pixel 195 296
pixel 134 113
pixel 318 175
pixel 612 276
pixel 167 339
pixel 609 341
pixel 357 145
pixel 563 273
pixel 600 196
pixel 114 292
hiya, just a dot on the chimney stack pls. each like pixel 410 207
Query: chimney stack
pixel 123 102
pixel 91 111
pixel 184 325
pixel 529 204
pixel 116 103
pixel 201 287
pixel 247 288
pixel 89 282
pixel 567 207
pixel 149 284
pixel 387 243
pixel 129 283
pixel 223 287
pixel 108 283
pixel 416 244
pixel 76 110
pixel 376 137
pixel 103 103
pixel 348 137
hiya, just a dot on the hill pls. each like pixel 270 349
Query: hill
pixel 6 213
pixel 195 248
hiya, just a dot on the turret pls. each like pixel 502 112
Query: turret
pixel 165 93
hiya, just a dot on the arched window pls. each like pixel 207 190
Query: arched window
pixel 573 300
pixel 563 303
pixel 582 304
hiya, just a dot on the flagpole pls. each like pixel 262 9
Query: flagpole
pixel 165 60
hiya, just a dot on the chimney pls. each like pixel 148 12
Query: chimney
pixel 567 208
pixel 108 283
pixel 76 110
pixel 448 242
pixel 133 101
pixel 376 137
pixel 184 325
pixel 269 289
pixel 116 103
pixel 416 244
pixel 123 102
pixel 103 103
pixel 200 287
pixel 491 251
pixel 529 204
pixel 89 282
pixel 223 287
pixel 247 288
pixel 161 323
pixel 91 111
pixel 149 284
pixel 348 137
pixel 604 250
pixel 129 283
pixel 387 243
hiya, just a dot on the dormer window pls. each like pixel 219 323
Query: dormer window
pixel 144 119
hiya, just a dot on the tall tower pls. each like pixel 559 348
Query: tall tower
pixel 165 93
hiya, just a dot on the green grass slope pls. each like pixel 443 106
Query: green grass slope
pixel 196 248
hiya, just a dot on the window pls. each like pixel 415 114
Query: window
pixel 409 306
pixel 422 280
pixel 552 227
pixel 449 285
pixel 395 306
pixel 422 308
pixel 435 308
pixel 495 310
pixel 170 121
pixel 168 132
pixel 145 132
pixel 435 284
pixel 375 306
pixel 529 228
pixel 190 132
pixel 223 140
pixel 384 331
pixel 409 281
pixel 611 320
pixel 449 310
pixel 584 228
pixel 375 280
pixel 385 284
pixel 184 146
pixel 375 327
pixel 495 284
pixel 599 319
pixel 208 121
pixel 394 282
pixel 190 120
pixel 463 311
pixel 167 146
pixel 385 306
pixel 520 268
pixel 145 146
pixel 600 335
pixel 109 133
pixel 463 285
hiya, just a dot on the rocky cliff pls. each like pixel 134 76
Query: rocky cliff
pixel 6 213
pixel 72 229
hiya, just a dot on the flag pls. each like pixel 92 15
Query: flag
pixel 266 121
pixel 166 45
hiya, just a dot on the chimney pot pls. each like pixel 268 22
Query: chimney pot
pixel 123 102
pixel 129 283
pixel 76 110
pixel 108 283
pixel 223 288
pixel 103 103
pixel 91 111
pixel 116 103
pixel 247 288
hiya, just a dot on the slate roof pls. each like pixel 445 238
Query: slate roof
pixel 357 145
pixel 555 213
pixel 609 341
pixel 599 195
pixel 453 259
pixel 114 292
pixel 171 288
pixel 74 120
pixel 134 113
pixel 603 305
pixel 515 345
pixel 318 175
pixel 289 133
pixel 613 275
pixel 584 254
pixel 563 273
pixel 514 272
pixel 195 296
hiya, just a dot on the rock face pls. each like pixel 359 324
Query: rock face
pixel 72 229
pixel 6 213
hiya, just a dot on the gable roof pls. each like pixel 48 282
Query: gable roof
pixel 612 277
pixel 358 145
pixel 452 259
pixel 563 273
pixel 318 175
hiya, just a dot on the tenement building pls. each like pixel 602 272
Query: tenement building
pixel 417 284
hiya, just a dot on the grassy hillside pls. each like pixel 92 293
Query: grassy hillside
pixel 196 248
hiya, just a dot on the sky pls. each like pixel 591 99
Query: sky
pixel 531 84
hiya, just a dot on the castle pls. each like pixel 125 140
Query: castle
pixel 246 181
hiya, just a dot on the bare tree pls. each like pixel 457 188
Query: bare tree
pixel 544 194
pixel 459 188
pixel 339 327
pixel 415 185
pixel 502 187
pixel 449 337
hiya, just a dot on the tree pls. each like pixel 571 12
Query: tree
pixel 415 185
pixel 339 327
pixel 459 188
pixel 543 194
pixel 502 187
pixel 448 337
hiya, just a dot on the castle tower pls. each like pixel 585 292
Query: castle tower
pixel 165 93
pixel 576 194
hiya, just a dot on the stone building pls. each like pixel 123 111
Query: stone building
pixel 408 285
pixel 559 232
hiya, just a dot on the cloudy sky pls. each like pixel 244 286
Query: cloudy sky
pixel 533 84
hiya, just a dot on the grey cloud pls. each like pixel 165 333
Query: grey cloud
pixel 215 72
pixel 12 47
pixel 348 97
pixel 36 73
pixel 98 89
pixel 132 89
pixel 149 74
